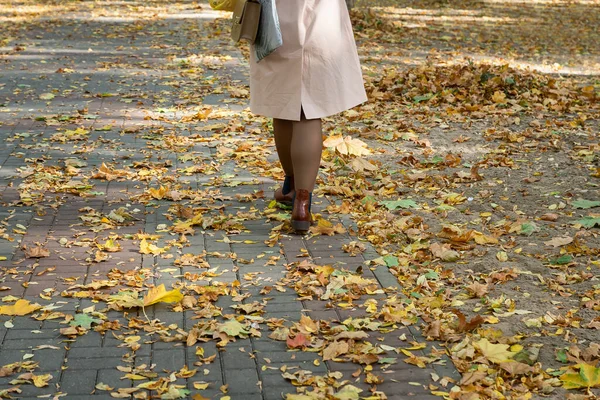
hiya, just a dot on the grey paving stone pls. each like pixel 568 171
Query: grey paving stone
pixel 32 391
pixel 242 380
pixel 96 352
pixel 278 306
pixel 275 358
pixel 94 363
pixel 25 323
pixel 90 339
pixel 245 396
pixel 235 359
pixel 78 382
pixel 50 359
pixel 169 360
pixel 112 377
pixel 277 392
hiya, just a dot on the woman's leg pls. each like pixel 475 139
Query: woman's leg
pixel 283 142
pixel 307 144
pixel 306 148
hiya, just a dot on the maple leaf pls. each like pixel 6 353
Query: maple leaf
pixel 394 205
pixel 110 245
pixel 581 203
pixel 280 334
pixel 444 252
pixel 348 392
pixel 307 325
pixel 455 234
pixel 481 238
pixel 515 367
pixel 587 376
pixel 496 353
pixel 335 349
pixel 464 326
pixel 149 248
pixel 324 227
pixel 159 193
pixel 84 321
pixel 477 289
pixel 21 307
pixel 299 340
pixel 160 295
pixel 41 380
pixel 35 252
pixel 588 222
pixel 360 165
pixel 233 328
pixel 127 299
pixel 559 241
pixel 354 335
pixel 347 145
pixel 99 256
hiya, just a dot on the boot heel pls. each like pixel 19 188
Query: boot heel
pixel 301 216
pixel 301 226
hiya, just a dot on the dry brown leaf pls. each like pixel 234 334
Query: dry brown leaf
pixel 335 349
pixel 35 252
pixel 478 289
pixel 559 241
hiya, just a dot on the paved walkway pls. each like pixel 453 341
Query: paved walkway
pixel 158 101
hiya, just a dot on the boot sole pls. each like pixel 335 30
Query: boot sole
pixel 301 226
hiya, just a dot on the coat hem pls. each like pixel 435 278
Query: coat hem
pixel 324 114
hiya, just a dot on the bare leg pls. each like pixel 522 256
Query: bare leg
pixel 283 142
pixel 306 148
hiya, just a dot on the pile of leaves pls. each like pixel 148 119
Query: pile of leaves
pixel 474 86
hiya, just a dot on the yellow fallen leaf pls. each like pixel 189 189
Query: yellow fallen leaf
pixel 200 385
pixel 41 380
pixel 347 145
pixel 496 353
pixel 110 245
pixel 158 194
pixel 103 386
pixel 21 307
pixel 149 248
pixel 481 238
pixel 324 227
pixel 160 295
pixel 499 97
pixel 502 256
pixel 135 377
pixel 587 377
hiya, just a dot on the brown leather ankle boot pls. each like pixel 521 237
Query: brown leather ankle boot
pixel 301 216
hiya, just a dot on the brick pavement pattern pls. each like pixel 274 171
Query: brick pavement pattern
pixel 130 78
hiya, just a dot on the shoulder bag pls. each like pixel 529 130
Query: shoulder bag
pixel 246 17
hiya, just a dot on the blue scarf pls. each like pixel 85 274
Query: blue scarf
pixel 268 38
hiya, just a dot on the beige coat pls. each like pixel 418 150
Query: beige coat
pixel 317 68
